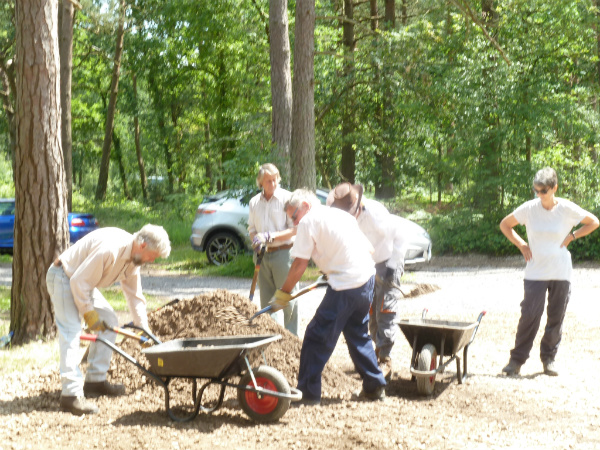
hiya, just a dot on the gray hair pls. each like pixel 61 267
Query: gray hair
pixel 156 238
pixel 267 169
pixel 546 177
pixel 300 196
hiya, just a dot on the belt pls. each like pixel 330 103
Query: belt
pixel 57 262
pixel 281 247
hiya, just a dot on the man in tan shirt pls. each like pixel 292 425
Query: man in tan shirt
pixel 98 260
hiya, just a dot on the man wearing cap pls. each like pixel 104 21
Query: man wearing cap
pixel 340 250
pixel 378 225
pixel 269 227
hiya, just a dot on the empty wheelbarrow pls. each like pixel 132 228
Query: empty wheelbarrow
pixel 263 392
pixel 431 341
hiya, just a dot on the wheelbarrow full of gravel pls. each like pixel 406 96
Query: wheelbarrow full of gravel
pixel 262 391
pixel 432 341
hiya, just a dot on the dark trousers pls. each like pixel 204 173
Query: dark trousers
pixel 532 309
pixel 340 312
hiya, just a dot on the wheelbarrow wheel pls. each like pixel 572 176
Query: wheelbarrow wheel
pixel 264 408
pixel 427 362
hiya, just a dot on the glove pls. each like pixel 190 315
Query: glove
pixel 280 300
pixel 260 240
pixel 93 321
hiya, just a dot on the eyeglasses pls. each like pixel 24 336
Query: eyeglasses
pixel 541 191
pixel 295 214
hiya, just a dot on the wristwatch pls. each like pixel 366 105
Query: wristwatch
pixel 573 234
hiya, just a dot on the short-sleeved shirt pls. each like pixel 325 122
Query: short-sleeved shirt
pixel 546 231
pixel 269 215
pixel 381 230
pixel 332 239
pixel 100 259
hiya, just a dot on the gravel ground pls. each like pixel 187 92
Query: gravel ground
pixel 488 411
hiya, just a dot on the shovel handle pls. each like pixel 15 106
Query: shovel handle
pixel 259 259
pixel 127 333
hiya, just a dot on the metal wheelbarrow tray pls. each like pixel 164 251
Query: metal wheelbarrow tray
pixel 432 340
pixel 263 392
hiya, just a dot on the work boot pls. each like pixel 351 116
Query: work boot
pixel 550 368
pixel 385 364
pixel 99 388
pixel 512 368
pixel 77 405
pixel 377 394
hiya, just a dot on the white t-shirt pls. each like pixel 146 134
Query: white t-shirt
pixel 378 225
pixel 546 231
pixel 269 215
pixel 332 239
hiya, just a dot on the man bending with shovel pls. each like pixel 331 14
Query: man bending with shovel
pixel 342 252
pixel 100 259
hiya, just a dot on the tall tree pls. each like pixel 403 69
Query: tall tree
pixel 281 86
pixel 136 135
pixel 66 20
pixel 112 106
pixel 303 93
pixel 41 231
pixel 348 115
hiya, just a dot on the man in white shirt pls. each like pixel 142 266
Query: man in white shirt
pixel 341 251
pixel 378 225
pixel 98 260
pixel 269 227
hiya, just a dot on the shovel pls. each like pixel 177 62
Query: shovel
pixel 256 270
pixel 321 281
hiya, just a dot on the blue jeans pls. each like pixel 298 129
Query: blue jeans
pixel 340 312
pixel 68 322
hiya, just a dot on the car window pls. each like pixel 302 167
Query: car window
pixel 7 209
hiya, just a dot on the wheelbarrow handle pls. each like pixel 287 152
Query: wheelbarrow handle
pixel 144 340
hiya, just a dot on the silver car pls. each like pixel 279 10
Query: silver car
pixel 221 229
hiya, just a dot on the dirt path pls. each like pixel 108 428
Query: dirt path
pixel 489 411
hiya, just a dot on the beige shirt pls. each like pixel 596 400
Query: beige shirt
pixel 99 260
pixel 269 215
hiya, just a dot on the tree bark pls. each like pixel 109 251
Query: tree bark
pixel 112 106
pixel 348 164
pixel 281 87
pixel 66 21
pixel 41 231
pixel 303 93
pixel 138 146
pixel 122 172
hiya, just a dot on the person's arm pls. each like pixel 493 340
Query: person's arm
pixel 136 302
pixel 507 227
pixel 590 223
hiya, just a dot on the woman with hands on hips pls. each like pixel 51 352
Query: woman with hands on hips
pixel 549 223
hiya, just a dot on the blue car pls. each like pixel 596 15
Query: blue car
pixel 79 225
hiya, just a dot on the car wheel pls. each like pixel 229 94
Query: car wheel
pixel 221 248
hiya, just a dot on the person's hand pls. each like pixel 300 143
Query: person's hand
pixel 260 240
pixel 526 251
pixel 93 321
pixel 280 300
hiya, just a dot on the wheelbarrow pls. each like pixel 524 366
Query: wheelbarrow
pixel 263 392
pixel 431 341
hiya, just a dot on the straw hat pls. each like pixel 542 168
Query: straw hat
pixel 346 197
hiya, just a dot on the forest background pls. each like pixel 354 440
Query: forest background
pixel 442 109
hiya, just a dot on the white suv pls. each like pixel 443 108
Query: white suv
pixel 221 229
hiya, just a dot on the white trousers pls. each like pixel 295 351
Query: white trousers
pixel 68 322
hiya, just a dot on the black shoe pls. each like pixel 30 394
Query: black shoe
pixel 77 405
pixel 103 388
pixel 512 368
pixel 377 394
pixel 307 402
pixel 550 368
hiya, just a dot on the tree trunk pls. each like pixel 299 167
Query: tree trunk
pixel 136 135
pixel 281 87
pixel 66 21
pixel 348 126
pixel 119 158
pixel 303 93
pixel 112 106
pixel 41 231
